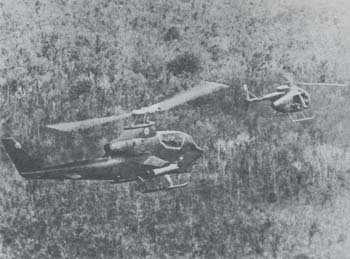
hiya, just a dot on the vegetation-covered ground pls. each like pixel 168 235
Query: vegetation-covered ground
pixel 265 188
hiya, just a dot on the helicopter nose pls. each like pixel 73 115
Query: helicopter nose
pixel 199 150
pixel 196 149
pixel 192 155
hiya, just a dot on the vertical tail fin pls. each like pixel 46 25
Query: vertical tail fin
pixel 22 161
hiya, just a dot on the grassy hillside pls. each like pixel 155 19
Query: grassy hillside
pixel 265 188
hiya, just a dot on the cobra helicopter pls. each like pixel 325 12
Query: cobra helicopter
pixel 288 99
pixel 140 153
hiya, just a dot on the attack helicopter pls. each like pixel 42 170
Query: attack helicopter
pixel 288 98
pixel 140 153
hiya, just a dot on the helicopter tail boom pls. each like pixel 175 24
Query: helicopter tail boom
pixel 249 96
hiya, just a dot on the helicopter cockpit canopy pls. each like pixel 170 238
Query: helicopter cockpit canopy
pixel 306 98
pixel 172 139
pixel 177 140
pixel 302 99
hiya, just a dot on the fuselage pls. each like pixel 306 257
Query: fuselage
pixel 172 146
pixel 293 100
pixel 121 161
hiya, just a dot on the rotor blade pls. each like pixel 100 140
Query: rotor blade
pixel 320 84
pixel 76 125
pixel 204 88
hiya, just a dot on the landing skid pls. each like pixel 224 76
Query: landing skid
pixel 171 186
pixel 166 188
pixel 304 117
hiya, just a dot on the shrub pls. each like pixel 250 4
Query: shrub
pixel 186 62
pixel 172 34
pixel 80 88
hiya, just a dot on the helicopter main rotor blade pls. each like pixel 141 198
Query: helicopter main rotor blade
pixel 319 84
pixel 204 88
pixel 290 79
pixel 78 125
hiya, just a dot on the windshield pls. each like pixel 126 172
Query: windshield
pixel 173 140
pixel 305 98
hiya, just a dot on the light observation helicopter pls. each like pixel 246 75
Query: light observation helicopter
pixel 288 98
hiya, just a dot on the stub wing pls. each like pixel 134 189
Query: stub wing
pixel 152 161
pixel 156 166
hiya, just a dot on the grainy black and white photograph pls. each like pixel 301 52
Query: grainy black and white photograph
pixel 175 129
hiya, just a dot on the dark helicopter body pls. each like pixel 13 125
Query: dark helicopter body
pixel 140 153
pixel 126 159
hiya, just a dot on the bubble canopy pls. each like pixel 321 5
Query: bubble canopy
pixel 175 139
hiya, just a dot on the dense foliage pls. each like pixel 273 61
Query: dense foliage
pixel 265 188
